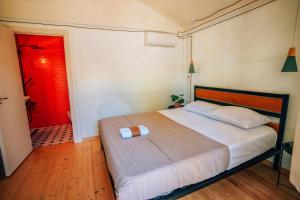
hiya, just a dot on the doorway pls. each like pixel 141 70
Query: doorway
pixel 45 87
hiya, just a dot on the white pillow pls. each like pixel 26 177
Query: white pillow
pixel 200 107
pixel 238 116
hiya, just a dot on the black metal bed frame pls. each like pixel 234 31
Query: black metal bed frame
pixel 180 192
pixel 282 115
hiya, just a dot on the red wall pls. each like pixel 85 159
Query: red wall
pixel 48 88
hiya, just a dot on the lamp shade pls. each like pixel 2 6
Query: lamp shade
pixel 192 68
pixel 290 64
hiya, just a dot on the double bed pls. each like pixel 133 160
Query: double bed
pixel 186 151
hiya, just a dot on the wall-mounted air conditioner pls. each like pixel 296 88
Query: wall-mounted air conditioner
pixel 160 39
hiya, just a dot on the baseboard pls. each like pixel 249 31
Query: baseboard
pixel 90 138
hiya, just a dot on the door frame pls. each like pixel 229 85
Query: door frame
pixel 71 76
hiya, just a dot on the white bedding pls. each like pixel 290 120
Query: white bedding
pixel 243 144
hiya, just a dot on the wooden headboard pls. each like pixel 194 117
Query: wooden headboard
pixel 270 104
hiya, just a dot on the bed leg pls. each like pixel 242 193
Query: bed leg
pixel 276 162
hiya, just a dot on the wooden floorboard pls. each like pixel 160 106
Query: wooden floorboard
pixel 78 171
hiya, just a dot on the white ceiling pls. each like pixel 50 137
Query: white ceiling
pixel 184 12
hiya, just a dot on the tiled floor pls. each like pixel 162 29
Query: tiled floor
pixel 51 135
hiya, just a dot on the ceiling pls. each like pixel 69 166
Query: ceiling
pixel 200 14
pixel 184 12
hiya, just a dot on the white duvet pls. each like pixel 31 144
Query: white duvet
pixel 243 144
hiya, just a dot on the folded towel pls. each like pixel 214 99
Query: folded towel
pixel 134 131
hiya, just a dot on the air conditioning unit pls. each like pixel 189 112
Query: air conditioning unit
pixel 160 39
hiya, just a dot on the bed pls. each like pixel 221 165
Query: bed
pixel 186 151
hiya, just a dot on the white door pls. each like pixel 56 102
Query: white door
pixel 15 141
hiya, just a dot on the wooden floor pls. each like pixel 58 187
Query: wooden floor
pixel 78 171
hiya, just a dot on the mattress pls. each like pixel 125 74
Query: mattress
pixel 243 144
pixel 170 157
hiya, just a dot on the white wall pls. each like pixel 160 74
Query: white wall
pixel 117 75
pixel 248 53
pixel 112 73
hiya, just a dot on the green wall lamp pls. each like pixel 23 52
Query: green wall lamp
pixel 191 72
pixel 290 64
pixel 191 69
